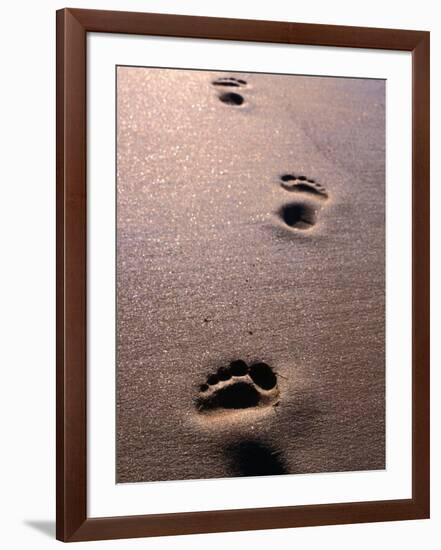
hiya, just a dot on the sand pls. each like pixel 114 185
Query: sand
pixel 209 271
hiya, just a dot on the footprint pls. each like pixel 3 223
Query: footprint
pixel 230 98
pixel 290 182
pixel 229 81
pixel 302 214
pixel 239 387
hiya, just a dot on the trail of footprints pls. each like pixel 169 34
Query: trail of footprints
pixel 300 214
pixel 239 386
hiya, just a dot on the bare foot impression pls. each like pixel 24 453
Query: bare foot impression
pixel 238 386
pixel 302 213
pixel 230 98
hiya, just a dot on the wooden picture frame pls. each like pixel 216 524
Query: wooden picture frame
pixel 73 523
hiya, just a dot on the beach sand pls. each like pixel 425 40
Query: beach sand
pixel 224 254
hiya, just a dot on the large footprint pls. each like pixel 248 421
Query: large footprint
pixel 302 213
pixel 239 387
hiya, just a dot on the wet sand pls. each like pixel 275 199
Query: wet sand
pixel 224 253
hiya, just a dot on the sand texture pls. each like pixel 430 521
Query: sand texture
pixel 250 229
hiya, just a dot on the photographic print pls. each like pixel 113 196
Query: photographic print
pixel 250 268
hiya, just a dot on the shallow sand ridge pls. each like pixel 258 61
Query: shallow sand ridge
pixel 250 274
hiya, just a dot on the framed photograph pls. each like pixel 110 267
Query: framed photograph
pixel 242 274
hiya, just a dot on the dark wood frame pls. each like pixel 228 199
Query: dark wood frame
pixel 72 521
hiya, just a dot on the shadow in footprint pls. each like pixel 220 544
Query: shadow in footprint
pixel 231 98
pixel 255 458
pixel 299 215
pixel 238 386
pixel 236 396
